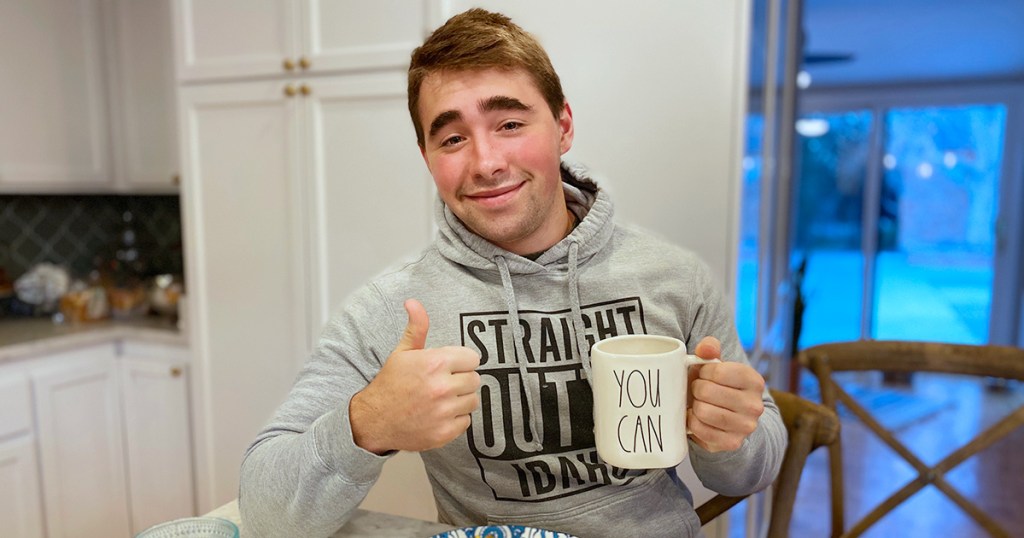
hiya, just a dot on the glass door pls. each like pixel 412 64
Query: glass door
pixel 937 223
pixel 895 234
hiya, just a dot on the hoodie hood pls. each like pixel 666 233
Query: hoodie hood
pixel 593 209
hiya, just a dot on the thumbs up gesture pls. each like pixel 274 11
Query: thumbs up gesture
pixel 421 398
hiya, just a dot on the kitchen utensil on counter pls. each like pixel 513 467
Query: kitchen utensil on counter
pixel 192 527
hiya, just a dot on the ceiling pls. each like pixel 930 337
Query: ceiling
pixel 907 41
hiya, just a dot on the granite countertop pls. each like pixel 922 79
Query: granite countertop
pixel 364 524
pixel 28 337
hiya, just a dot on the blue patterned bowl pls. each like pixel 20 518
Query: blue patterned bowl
pixel 501 531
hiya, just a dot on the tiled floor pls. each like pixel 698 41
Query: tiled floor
pixel 993 479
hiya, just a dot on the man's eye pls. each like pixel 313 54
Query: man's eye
pixel 511 125
pixel 451 140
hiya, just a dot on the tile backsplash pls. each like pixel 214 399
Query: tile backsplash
pixel 79 231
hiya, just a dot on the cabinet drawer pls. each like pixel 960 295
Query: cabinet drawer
pixel 15 405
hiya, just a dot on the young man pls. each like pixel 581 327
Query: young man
pixel 476 354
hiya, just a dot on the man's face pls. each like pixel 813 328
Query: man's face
pixel 494 150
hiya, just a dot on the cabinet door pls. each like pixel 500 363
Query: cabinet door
pixel 53 122
pixel 242 197
pixel 352 34
pixel 81 446
pixel 154 395
pixel 19 489
pixel 235 38
pixel 364 167
pixel 141 56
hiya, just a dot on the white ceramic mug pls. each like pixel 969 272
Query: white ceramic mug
pixel 639 384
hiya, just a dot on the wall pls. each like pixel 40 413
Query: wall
pixel 657 91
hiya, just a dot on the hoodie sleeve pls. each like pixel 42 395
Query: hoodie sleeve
pixel 756 463
pixel 304 475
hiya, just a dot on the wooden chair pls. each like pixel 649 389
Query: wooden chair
pixel 809 426
pixel 904 358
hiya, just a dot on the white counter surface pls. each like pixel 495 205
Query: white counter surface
pixel 25 338
pixel 364 524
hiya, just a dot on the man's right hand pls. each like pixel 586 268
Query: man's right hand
pixel 421 398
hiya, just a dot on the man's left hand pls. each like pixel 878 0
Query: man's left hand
pixel 725 400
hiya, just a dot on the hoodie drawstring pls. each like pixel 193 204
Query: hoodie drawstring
pixel 577 314
pixel 517 336
pixel 536 419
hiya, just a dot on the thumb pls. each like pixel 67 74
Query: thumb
pixel 415 335
pixel 709 348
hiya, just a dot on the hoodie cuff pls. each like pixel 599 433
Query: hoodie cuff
pixel 336 449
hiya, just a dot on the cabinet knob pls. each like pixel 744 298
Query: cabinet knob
pixel 305 89
pixel 304 62
pixel 289 90
pixel 175 372
pixel 288 64
pixel 176 179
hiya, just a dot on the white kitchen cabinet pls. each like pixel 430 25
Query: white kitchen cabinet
pixel 154 400
pixel 242 194
pixel 19 489
pixel 283 180
pixel 245 38
pixel 140 53
pixel 20 508
pixel 54 130
pixel 370 194
pixel 81 444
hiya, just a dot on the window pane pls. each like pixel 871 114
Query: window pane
pixel 833 167
pixel 937 225
pixel 746 270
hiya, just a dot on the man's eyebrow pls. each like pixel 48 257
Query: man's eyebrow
pixel 443 119
pixel 497 102
pixel 502 102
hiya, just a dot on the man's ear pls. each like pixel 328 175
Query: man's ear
pixel 566 126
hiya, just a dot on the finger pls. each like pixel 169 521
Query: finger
pixel 744 402
pixel 461 359
pixel 465 383
pixel 466 404
pixel 415 335
pixel 709 348
pixel 731 374
pixel 724 419
pixel 711 438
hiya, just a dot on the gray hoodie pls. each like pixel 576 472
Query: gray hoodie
pixel 528 457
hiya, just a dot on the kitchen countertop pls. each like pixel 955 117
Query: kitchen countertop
pixel 28 337
pixel 364 524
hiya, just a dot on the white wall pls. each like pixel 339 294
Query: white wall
pixel 657 90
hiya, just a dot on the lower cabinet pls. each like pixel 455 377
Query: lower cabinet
pixel 81 445
pixel 154 398
pixel 109 452
pixel 21 513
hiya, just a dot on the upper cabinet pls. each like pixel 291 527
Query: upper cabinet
pixel 88 97
pixel 53 122
pixel 141 59
pixel 268 38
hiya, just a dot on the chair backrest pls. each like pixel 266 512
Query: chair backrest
pixel 905 357
pixel 809 426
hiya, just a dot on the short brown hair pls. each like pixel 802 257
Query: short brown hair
pixel 479 39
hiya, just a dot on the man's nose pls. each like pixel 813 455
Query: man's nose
pixel 489 158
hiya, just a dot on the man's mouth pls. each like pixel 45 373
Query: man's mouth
pixel 497 196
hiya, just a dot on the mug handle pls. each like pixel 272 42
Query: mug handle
pixel 693 360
